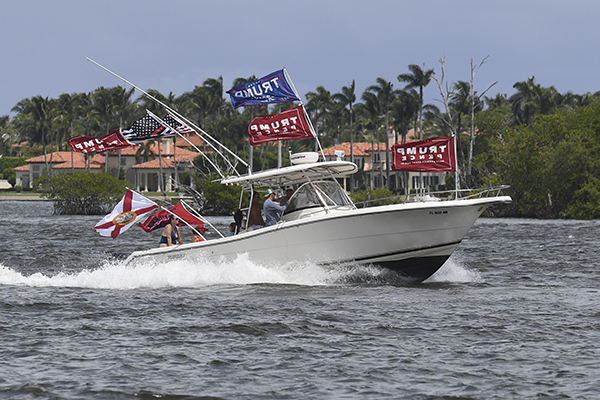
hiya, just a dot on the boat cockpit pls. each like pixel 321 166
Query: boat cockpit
pixel 317 197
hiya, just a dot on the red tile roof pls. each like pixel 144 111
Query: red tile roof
pixel 130 151
pixel 62 160
pixel 80 164
pixel 167 162
pixel 54 158
pixel 361 149
pixel 181 155
pixel 195 139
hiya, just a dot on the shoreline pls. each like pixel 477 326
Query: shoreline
pixel 38 197
pixel 23 198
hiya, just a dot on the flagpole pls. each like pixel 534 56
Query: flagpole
pixel 179 115
pixel 313 131
pixel 289 78
pixel 197 214
pixel 456 172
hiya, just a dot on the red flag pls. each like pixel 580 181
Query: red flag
pixel 429 155
pixel 88 144
pixel 288 125
pixel 160 219
pixel 130 209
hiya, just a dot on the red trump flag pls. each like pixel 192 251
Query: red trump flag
pixel 288 125
pixel 88 144
pixel 160 219
pixel 429 155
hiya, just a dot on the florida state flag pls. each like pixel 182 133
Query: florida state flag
pixel 88 144
pixel 288 125
pixel 130 209
pixel 160 219
pixel 429 155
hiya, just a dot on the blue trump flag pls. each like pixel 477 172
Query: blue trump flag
pixel 272 88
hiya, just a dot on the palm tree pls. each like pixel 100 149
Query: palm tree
pixel 317 106
pixel 145 152
pixel 385 93
pixel 500 100
pixel 417 78
pixel 405 109
pixel 37 115
pixel 370 115
pixel 347 97
pixel 532 99
pixel 123 109
pixel 215 103
pixel 247 116
pixel 102 101
pixel 146 103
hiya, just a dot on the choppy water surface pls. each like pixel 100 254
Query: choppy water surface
pixel 513 314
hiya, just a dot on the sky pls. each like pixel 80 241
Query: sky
pixel 176 45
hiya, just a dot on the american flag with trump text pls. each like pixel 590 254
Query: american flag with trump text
pixel 146 128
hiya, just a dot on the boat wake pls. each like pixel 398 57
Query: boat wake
pixel 115 274
pixel 455 271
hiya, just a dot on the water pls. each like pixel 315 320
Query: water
pixel 514 313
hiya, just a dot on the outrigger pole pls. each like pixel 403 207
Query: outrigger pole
pixel 186 139
pixel 169 109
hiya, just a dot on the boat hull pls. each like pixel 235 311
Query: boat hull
pixel 413 239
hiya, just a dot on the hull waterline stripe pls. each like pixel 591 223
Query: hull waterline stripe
pixel 395 253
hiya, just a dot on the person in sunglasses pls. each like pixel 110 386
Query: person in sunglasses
pixel 171 233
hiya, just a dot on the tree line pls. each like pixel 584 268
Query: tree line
pixel 487 127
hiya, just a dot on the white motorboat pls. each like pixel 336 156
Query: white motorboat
pixel 323 225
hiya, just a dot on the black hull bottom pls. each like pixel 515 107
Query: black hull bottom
pixel 415 269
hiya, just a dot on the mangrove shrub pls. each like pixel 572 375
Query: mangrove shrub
pixel 82 192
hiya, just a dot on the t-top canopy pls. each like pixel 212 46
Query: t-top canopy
pixel 294 174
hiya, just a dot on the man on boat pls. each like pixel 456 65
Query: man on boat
pixel 255 219
pixel 289 191
pixel 273 209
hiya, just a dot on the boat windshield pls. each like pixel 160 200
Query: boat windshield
pixel 313 194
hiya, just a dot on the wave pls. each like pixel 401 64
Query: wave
pixel 115 274
pixel 455 271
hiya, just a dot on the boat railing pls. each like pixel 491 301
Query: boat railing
pixel 419 196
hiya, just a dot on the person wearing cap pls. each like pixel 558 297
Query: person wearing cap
pixel 273 209
pixel 289 191
pixel 199 237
